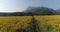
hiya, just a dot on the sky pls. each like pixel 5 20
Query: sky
pixel 21 5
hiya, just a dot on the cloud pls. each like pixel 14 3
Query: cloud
pixel 12 10
pixel 3 8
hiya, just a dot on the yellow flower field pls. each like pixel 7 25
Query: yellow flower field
pixel 47 23
pixel 14 22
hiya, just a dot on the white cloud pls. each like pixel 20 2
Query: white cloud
pixel 3 8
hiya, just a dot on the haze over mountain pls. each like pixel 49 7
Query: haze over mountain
pixel 41 10
pixel 32 11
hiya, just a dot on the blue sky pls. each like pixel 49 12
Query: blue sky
pixel 55 4
pixel 20 5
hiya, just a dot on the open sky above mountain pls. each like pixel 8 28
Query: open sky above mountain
pixel 21 5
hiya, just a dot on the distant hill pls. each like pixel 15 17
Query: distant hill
pixel 32 11
pixel 41 11
pixel 21 14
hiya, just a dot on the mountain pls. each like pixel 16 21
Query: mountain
pixel 33 11
pixel 41 10
pixel 58 11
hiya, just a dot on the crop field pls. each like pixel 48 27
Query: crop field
pixel 12 23
pixel 49 23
